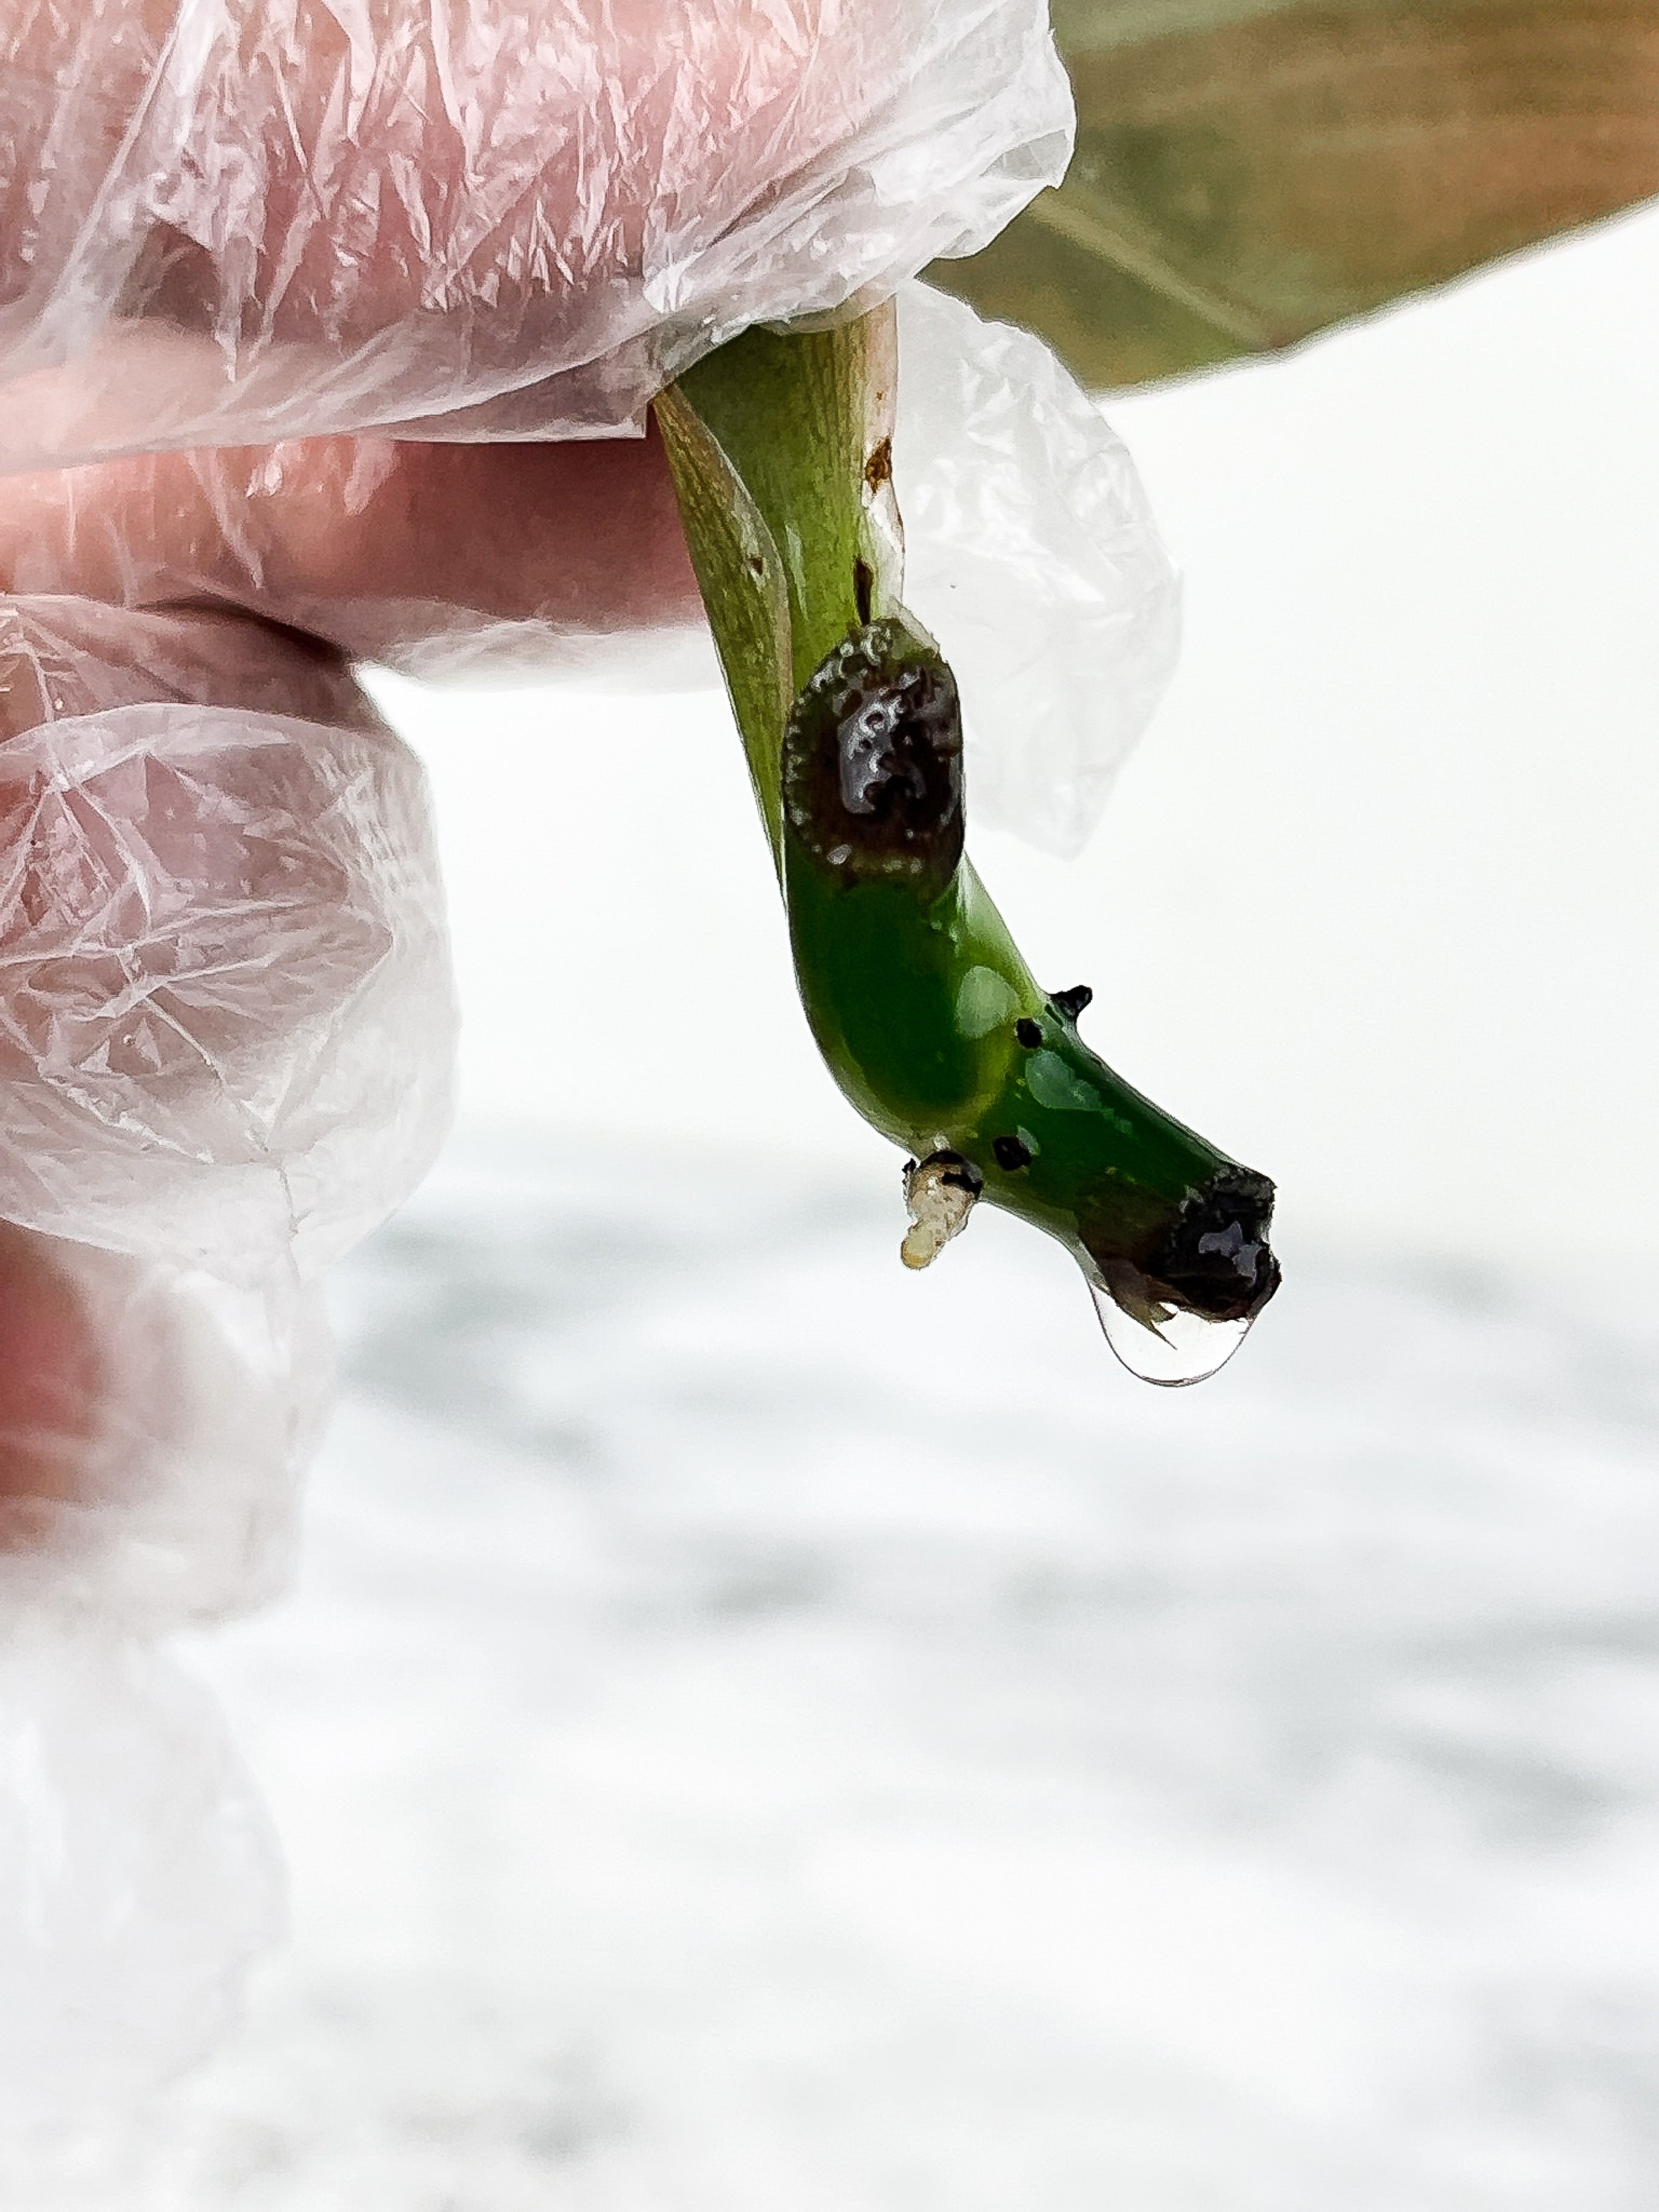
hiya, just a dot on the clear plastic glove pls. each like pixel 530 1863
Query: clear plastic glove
pixel 263 268
pixel 326 334
pixel 1031 554
pixel 229 220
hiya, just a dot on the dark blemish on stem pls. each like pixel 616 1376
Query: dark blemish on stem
pixel 1070 1003
pixel 1012 1153
pixel 864 585
pixel 1028 1033
pixel 873 761
pixel 756 566
pixel 1217 1259
pixel 879 469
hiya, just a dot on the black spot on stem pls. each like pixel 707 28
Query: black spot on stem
pixel 873 761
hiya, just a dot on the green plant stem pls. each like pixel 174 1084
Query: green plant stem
pixel 925 1012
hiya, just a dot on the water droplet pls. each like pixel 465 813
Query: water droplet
pixel 1170 1346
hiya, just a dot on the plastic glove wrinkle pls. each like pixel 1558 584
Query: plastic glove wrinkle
pixel 227 1011
pixel 413 222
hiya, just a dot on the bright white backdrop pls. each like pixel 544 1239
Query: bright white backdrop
pixel 1374 906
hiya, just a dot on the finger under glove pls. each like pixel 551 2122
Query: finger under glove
pixel 154 1422
pixel 225 1042
pixel 225 1010
pixel 226 1033
pixel 408 553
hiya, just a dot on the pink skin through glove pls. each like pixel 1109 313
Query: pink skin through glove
pixel 326 334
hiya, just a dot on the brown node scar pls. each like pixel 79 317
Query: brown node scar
pixel 940 1193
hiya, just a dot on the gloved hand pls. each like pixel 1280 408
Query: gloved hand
pixel 276 277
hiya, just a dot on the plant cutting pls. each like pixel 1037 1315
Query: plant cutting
pixel 1245 177
pixel 926 1015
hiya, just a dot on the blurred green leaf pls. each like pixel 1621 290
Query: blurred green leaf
pixel 1248 172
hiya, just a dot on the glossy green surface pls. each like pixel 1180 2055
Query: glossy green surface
pixel 917 1007
pixel 779 448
